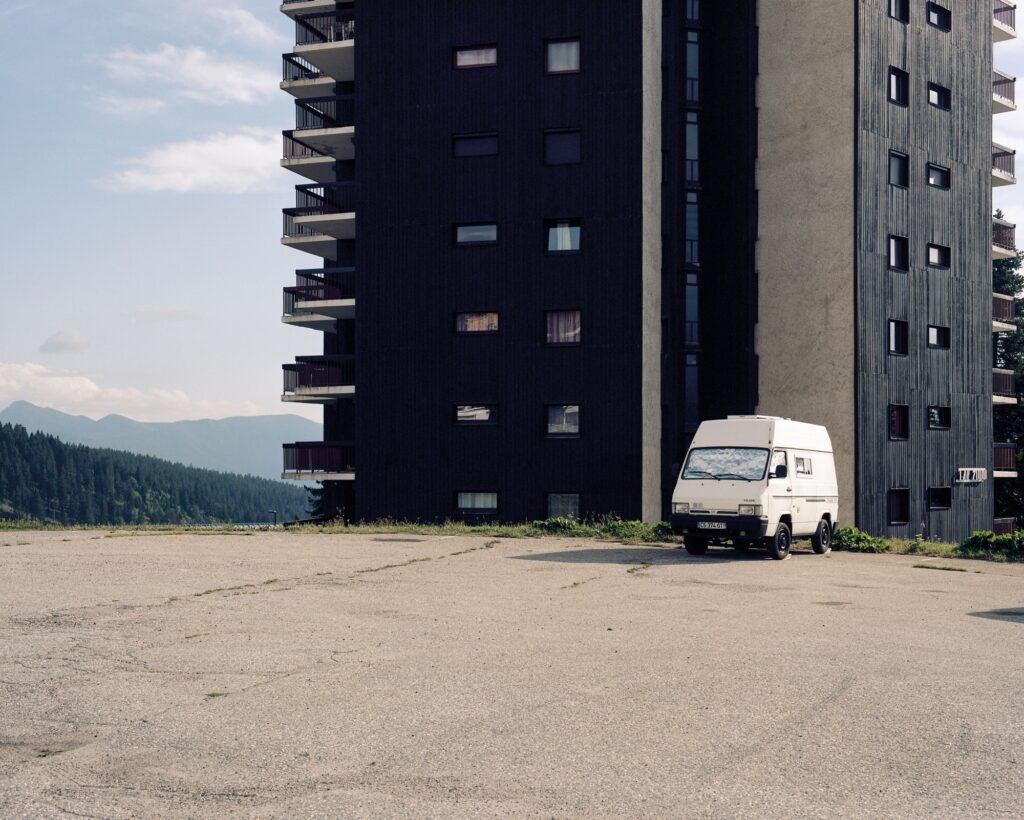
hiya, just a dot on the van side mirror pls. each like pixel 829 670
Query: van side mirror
pixel 781 471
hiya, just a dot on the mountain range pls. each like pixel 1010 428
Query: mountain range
pixel 247 445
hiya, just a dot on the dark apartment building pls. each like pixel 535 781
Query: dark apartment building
pixel 585 226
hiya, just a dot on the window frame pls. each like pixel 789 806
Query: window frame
pixel 477 46
pixel 929 167
pixel 492 420
pixel 899 10
pixel 892 324
pixel 945 256
pixel 474 244
pixel 547 504
pixel 948 415
pixel 905 494
pixel 457 138
pixel 905 408
pixel 903 99
pixel 579 146
pixel 932 506
pixel 547 420
pixel 549 224
pixel 579 55
pixel 904 243
pixel 929 8
pixel 906 169
pixel 937 345
pixel 549 343
pixel 477 510
pixel 941 92
pixel 494 332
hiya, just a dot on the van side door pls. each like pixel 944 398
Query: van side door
pixel 780 490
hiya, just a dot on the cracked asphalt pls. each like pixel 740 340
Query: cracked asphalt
pixel 287 675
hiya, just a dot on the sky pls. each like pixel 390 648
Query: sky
pixel 140 262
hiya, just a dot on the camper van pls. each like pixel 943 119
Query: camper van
pixel 757 480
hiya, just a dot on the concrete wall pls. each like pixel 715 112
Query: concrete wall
pixel 651 500
pixel 806 198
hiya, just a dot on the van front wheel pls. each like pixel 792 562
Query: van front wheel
pixel 695 546
pixel 778 545
pixel 822 538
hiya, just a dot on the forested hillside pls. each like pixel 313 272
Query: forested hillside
pixel 41 477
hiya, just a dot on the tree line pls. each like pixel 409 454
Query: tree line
pixel 43 478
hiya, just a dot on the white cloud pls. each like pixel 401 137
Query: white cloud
pixel 75 393
pixel 64 341
pixel 225 163
pixel 244 25
pixel 129 107
pixel 194 74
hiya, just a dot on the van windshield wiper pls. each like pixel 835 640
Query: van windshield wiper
pixel 720 476
pixel 691 473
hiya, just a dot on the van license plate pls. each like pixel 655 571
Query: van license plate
pixel 710 525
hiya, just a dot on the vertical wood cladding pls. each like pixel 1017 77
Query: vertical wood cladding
pixel 958 297
pixel 413 368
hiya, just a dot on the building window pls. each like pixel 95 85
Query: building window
pixel 692 66
pixel 938 337
pixel 563 327
pixel 940 498
pixel 562 56
pixel 692 238
pixel 899 338
pixel 563 420
pixel 938 256
pixel 476 56
pixel 692 147
pixel 900 10
pixel 484 233
pixel 562 147
pixel 899 253
pixel 477 502
pixel 691 398
pixel 475 145
pixel 899 422
pixel 692 310
pixel 899 169
pixel 693 10
pixel 564 505
pixel 939 96
pixel 563 235
pixel 472 415
pixel 940 418
pixel 476 322
pixel 940 17
pixel 803 466
pixel 899 86
pixel 938 177
pixel 899 506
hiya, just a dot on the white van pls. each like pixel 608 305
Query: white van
pixel 757 480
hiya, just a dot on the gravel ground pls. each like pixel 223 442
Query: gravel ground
pixel 278 675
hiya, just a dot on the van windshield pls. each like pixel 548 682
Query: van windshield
pixel 736 463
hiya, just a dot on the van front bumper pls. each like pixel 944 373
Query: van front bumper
pixel 725 526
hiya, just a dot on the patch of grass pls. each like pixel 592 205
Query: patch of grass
pixel 212 695
pixel 982 546
pixel 393 566
pixel 270 581
pixel 939 567
pixel 575 584
pixel 638 568
pixel 223 589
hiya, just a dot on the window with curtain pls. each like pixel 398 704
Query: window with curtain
pixel 483 234
pixel 476 56
pixel 562 57
pixel 476 323
pixel 563 327
pixel 563 419
pixel 476 414
pixel 563 235
pixel 478 501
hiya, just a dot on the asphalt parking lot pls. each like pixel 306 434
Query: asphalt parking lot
pixel 285 675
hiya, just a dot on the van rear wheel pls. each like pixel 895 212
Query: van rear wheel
pixel 695 546
pixel 779 544
pixel 822 538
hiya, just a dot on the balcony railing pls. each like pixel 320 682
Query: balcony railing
pixel 1004 87
pixel 330 27
pixel 323 285
pixel 1003 159
pixel 1004 234
pixel 1004 526
pixel 295 68
pixel 1003 308
pixel 328 112
pixel 319 371
pixel 1005 13
pixel 319 457
pixel 317 200
pixel 1005 458
pixel 293 149
pixel 1004 383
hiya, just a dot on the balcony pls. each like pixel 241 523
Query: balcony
pixel 307 162
pixel 327 40
pixel 1004 21
pixel 298 8
pixel 326 125
pixel 1003 92
pixel 1003 165
pixel 1003 314
pixel 1004 386
pixel 319 461
pixel 1005 461
pixel 320 298
pixel 1004 239
pixel 319 379
pixel 322 215
pixel 302 79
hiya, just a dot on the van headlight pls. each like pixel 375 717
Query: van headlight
pixel 750 509
pixel 681 507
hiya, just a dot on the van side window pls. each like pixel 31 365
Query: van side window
pixel 803 466
pixel 778 460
